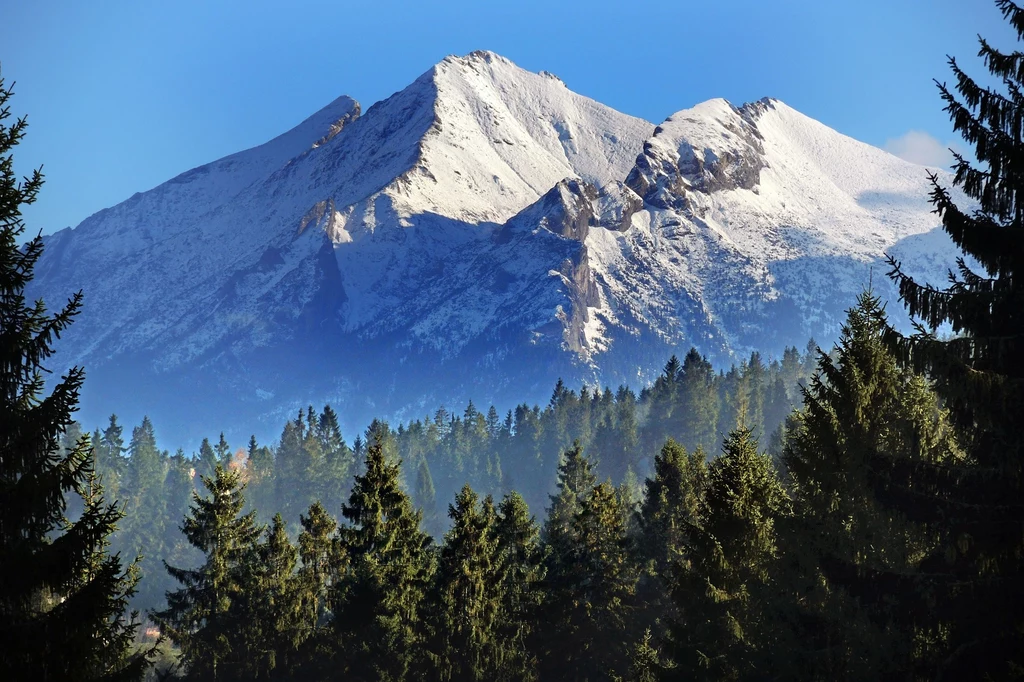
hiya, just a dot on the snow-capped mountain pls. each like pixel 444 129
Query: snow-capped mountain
pixel 476 235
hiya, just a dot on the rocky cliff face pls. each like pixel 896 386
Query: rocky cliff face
pixel 476 235
pixel 710 148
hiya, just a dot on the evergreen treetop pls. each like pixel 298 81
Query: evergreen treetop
pixel 377 599
pixel 198 616
pixel 466 601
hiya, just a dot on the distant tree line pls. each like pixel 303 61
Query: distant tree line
pixel 312 462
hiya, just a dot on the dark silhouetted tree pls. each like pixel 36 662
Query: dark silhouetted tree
pixel 62 595
pixel 198 617
pixel 974 579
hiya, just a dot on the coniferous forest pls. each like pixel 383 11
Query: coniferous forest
pixel 848 513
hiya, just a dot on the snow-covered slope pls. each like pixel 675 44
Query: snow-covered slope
pixel 478 234
pixel 759 226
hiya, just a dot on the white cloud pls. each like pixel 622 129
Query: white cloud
pixel 919 147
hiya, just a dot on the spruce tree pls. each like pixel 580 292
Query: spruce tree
pixel 378 597
pixel 645 662
pixel 267 609
pixel 176 550
pixel 379 433
pixel 669 506
pixel 777 409
pixel 280 603
pixel 465 601
pixel 145 506
pixel 206 461
pixel 62 596
pixel 291 471
pixel 663 404
pixel 115 653
pixel 198 617
pixel 625 436
pixel 260 485
pixel 338 462
pixel 755 377
pixel 588 606
pixel 426 498
pixel 728 557
pixel 223 451
pixel 733 399
pixel 322 562
pixel 630 496
pixel 698 410
pixel 575 481
pixel 521 571
pixel 975 579
pixel 315 476
pixel 858 408
pixel 109 453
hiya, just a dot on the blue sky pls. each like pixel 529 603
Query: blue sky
pixel 124 95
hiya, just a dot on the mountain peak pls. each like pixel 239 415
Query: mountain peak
pixel 501 136
pixel 486 56
pixel 477 234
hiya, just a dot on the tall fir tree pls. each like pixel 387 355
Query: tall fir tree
pixel 464 606
pixel 109 449
pixel 846 620
pixel 198 617
pixel 755 376
pixel 670 505
pixel 729 554
pixel 425 497
pixel 145 506
pixel 521 571
pixel 291 471
pixel 662 400
pixel 625 435
pixel 322 563
pixel 260 485
pixel 223 451
pixel 206 461
pixel 117 653
pixel 338 462
pixel 176 550
pixel 378 597
pixel 62 596
pixel 645 661
pixel 266 610
pixel 698 411
pixel 976 578
pixel 589 589
pixel 575 481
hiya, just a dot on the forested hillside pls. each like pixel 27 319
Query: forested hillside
pixel 699 561
pixel 312 461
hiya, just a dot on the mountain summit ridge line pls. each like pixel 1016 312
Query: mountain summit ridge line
pixel 478 234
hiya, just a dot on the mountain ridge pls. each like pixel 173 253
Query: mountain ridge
pixel 478 234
